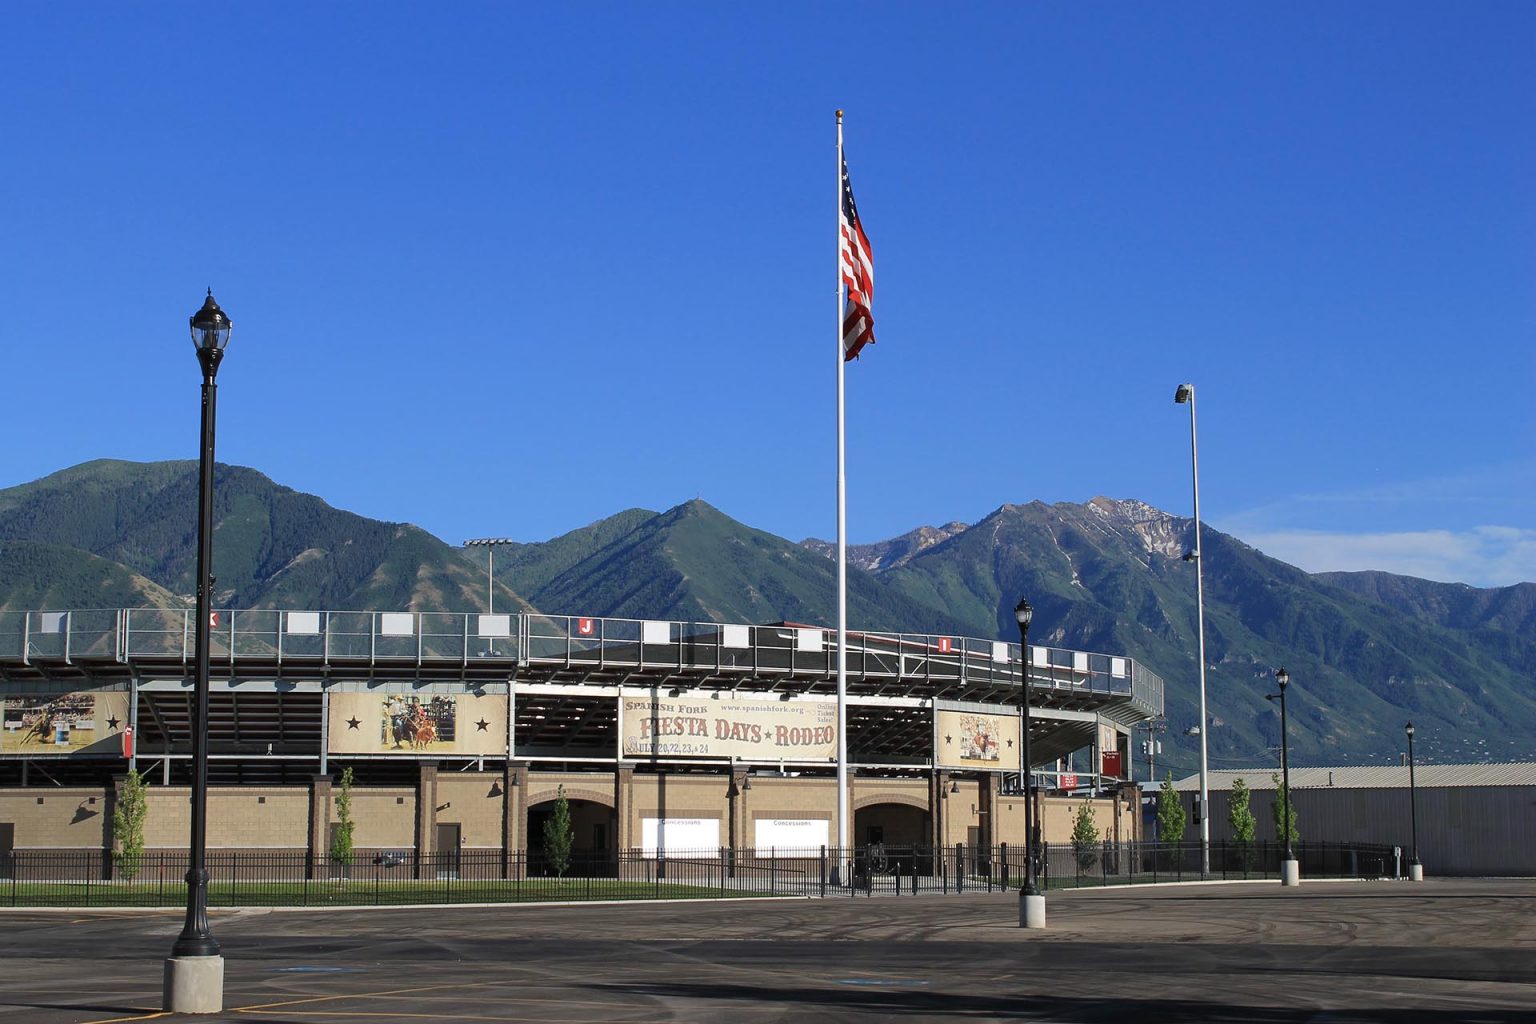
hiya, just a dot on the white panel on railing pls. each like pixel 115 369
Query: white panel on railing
pixel 999 652
pixel 397 624
pixel 494 626
pixel 303 623
pixel 1080 661
pixel 736 636
pixel 1119 667
pixel 656 632
pixel 51 622
pixel 1039 655
pixel 808 640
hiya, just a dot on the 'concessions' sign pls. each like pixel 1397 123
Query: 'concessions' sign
pixel 751 730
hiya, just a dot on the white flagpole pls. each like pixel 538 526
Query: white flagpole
pixel 843 843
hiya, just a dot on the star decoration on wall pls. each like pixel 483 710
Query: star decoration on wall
pixel 1010 744
pixel 482 725
pixel 353 723
pixel 949 739
pixel 112 723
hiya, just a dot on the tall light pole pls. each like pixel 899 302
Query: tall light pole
pixel 1289 873
pixel 194 975
pixel 1415 866
pixel 1186 395
pixel 1031 899
pixel 489 543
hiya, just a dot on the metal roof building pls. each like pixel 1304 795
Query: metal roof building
pixel 1473 819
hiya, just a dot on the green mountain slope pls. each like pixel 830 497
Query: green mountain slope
pixel 695 563
pixel 1108 576
pixel 35 576
pixel 273 546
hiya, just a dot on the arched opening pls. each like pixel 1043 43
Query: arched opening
pixel 892 839
pixel 891 824
pixel 593 838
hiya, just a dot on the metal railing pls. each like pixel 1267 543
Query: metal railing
pixel 442 639
pixel 91 878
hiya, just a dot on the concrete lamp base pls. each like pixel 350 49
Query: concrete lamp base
pixel 1415 872
pixel 194 984
pixel 1290 872
pixel 1031 911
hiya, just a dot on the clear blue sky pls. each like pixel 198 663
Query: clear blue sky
pixel 506 269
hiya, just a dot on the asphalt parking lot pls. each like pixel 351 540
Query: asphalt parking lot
pixel 1326 952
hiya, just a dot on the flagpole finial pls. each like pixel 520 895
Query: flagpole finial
pixel 839 115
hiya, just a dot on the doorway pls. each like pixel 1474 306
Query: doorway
pixel 445 852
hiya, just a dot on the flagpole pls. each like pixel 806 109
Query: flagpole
pixel 843 844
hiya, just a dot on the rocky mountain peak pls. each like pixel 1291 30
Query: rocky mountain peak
pixel 1159 532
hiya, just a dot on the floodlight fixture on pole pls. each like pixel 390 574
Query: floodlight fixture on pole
pixel 489 543
pixel 1031 899
pixel 194 974
pixel 1185 395
pixel 1415 866
pixel 1289 869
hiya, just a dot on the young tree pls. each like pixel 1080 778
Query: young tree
pixel 341 836
pixel 559 836
pixel 1284 828
pixel 128 825
pixel 1170 813
pixel 1085 837
pixel 1240 818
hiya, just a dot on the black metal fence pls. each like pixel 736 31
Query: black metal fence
pixel 74 878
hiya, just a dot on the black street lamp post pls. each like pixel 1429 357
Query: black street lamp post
pixel 210 333
pixel 1031 899
pixel 1415 866
pixel 1283 678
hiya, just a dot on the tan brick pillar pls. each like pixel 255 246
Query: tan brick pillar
pixel 319 826
pixel 508 820
pixel 986 803
pixel 623 803
pixel 110 797
pixel 938 784
pixel 518 827
pixel 426 816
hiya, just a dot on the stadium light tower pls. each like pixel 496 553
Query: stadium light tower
pixel 1031 900
pixel 489 543
pixel 194 974
pixel 1289 875
pixel 1185 395
pixel 1415 866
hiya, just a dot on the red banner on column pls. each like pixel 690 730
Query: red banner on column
pixel 1112 764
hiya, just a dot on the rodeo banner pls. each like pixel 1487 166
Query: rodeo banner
pixel 411 723
pixel 64 723
pixel 969 739
pixel 749 730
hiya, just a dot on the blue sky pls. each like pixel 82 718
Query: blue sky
pixel 506 269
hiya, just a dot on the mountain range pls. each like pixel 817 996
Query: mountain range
pixel 1366 651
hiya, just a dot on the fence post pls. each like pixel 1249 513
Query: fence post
pixel 823 872
pixel 722 872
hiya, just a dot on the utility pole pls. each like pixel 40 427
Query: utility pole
pixel 1155 728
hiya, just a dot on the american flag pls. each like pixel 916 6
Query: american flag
pixel 858 275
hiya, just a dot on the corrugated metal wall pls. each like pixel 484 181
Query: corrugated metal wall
pixel 1490 830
